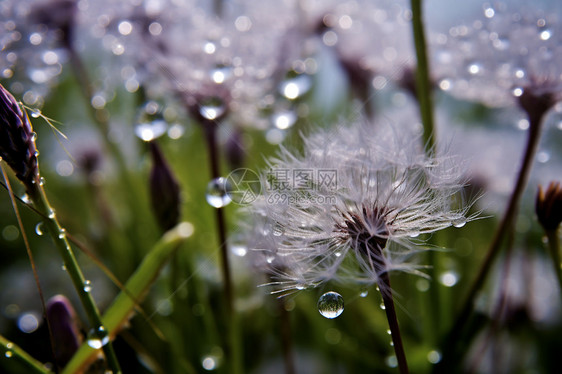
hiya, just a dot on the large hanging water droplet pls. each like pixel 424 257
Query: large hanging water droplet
pixel 212 108
pixel 449 278
pixel 150 123
pixel 98 338
pixel 330 305
pixel 217 193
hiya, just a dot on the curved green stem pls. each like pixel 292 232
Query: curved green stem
pixel 83 288
pixel 136 288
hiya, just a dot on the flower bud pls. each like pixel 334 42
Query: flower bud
pixel 17 139
pixel 164 190
pixel 549 206
pixel 64 327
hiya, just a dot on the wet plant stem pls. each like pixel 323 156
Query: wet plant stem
pixel 425 102
pixel 505 226
pixel 286 337
pixel 234 346
pixel 554 249
pixel 386 292
pixel 423 82
pixel 376 258
pixel 37 194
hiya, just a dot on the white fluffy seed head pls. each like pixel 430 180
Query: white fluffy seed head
pixel 347 207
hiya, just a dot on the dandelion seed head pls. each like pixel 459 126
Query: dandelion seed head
pixel 385 190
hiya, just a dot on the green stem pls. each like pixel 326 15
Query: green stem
pixel 423 82
pixel 234 347
pixel 504 227
pixel 554 247
pixel 57 232
pixel 136 288
pixel 10 351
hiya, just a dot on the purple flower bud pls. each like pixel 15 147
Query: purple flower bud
pixel 17 139
pixel 164 191
pixel 64 327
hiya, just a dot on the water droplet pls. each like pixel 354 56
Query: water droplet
pixel 284 120
pixel 212 108
pixel 389 332
pixel 87 286
pixel 364 293
pixel 62 233
pixel 150 123
pixel 433 356
pixel 546 34
pixel 39 230
pixel 269 258
pixel 474 68
pixel 98 338
pixel 422 285
pixel 330 305
pixel 414 234
pixel 382 306
pixel 209 363
pixel 41 181
pixel 63 267
pixel 295 87
pixel 51 214
pixel 337 254
pixel 391 361
pixel 237 245
pixel 220 74
pixel 25 198
pixel 8 354
pixel 449 278
pixel 35 113
pixel 278 230
pixel 459 222
pixel 217 193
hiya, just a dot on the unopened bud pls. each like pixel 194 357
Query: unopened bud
pixel 549 206
pixel 64 327
pixel 164 190
pixel 17 139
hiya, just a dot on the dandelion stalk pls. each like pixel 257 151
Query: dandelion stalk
pixel 423 84
pixel 554 249
pixel 424 98
pixel 536 107
pixel 233 350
